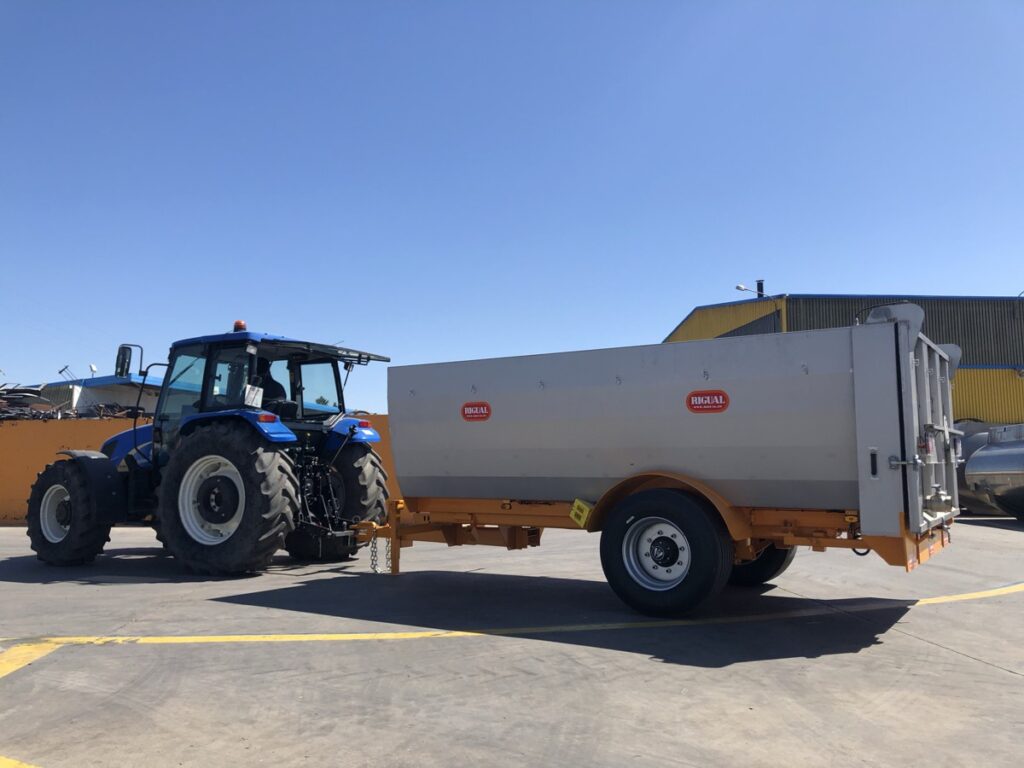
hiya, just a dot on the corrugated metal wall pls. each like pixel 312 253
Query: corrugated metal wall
pixel 989 394
pixel 771 323
pixel 712 322
pixel 990 331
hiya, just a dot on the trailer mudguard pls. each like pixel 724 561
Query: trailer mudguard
pixel 107 487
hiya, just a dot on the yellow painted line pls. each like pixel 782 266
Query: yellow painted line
pixel 18 656
pixel 983 594
pixel 292 638
pixel 7 762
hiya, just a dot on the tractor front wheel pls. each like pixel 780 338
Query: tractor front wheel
pixel 61 523
pixel 227 500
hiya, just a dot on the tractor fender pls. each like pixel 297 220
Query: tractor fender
pixel 348 430
pixel 107 487
pixel 273 431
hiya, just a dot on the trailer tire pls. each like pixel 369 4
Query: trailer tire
pixel 304 546
pixel 365 483
pixel 771 562
pixel 62 526
pixel 227 499
pixel 665 552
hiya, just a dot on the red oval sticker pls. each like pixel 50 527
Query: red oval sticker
pixel 707 401
pixel 476 411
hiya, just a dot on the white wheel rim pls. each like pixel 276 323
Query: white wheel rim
pixel 656 553
pixel 53 530
pixel 190 503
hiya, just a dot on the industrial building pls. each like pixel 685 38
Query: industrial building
pixel 989 384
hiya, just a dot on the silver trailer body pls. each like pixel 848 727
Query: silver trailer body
pixel 852 418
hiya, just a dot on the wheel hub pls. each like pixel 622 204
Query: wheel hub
pixel 656 553
pixel 664 551
pixel 218 499
pixel 63 513
pixel 211 500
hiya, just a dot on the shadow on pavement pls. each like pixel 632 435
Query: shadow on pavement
pixel 137 565
pixel 744 625
pixel 993 521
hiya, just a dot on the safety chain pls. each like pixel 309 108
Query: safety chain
pixel 374 558
pixel 374 566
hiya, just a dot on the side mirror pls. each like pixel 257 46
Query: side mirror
pixel 123 363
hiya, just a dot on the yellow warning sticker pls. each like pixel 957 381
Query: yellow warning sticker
pixel 580 512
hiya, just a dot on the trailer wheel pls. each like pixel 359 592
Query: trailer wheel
pixel 664 552
pixel 227 500
pixel 62 528
pixel 771 562
pixel 305 546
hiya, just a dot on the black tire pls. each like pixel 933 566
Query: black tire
pixel 159 536
pixel 771 562
pixel 705 538
pixel 261 522
pixel 84 537
pixel 365 482
pixel 306 546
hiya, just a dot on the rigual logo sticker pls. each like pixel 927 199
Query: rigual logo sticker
pixel 479 411
pixel 707 401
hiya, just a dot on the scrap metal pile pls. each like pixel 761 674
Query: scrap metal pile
pixel 17 402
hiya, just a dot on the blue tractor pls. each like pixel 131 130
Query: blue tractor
pixel 251 450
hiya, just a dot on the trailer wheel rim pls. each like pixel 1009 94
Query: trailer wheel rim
pixel 55 513
pixel 211 500
pixel 656 553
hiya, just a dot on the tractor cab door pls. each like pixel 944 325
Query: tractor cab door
pixel 181 394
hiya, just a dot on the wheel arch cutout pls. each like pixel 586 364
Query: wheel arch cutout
pixel 737 523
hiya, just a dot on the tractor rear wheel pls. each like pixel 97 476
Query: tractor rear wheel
pixel 61 523
pixel 227 500
pixel 769 563
pixel 665 552
pixel 360 485
pixel 366 483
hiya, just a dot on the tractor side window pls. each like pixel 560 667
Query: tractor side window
pixel 182 389
pixel 319 389
pixel 228 378
pixel 280 376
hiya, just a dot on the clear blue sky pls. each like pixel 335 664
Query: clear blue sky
pixel 447 180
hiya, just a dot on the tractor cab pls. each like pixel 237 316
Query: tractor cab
pixel 292 391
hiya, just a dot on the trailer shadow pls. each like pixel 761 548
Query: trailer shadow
pixel 744 625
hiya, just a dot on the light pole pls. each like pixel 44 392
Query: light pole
pixel 775 300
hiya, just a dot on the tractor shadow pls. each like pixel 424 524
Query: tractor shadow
pixel 744 625
pixel 121 565
pixel 133 565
